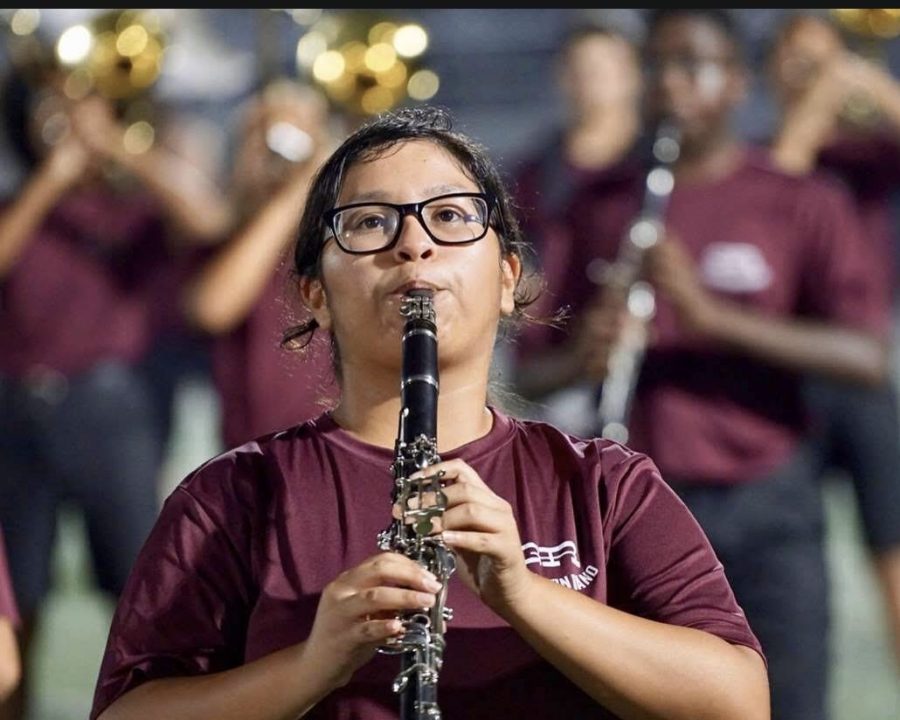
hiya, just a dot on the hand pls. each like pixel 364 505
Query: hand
pixel 95 124
pixel 356 611
pixel 67 162
pixel 479 525
pixel 674 275
pixel 600 328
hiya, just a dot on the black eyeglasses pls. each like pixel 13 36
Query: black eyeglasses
pixel 452 219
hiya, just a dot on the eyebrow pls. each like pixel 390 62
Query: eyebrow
pixel 434 190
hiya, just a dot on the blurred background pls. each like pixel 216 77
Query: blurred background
pixel 495 70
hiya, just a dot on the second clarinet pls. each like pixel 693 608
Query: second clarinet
pixel 624 273
pixel 418 503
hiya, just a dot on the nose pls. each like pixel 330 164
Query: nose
pixel 414 243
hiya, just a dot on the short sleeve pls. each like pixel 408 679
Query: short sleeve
pixel 841 266
pixel 661 565
pixel 184 608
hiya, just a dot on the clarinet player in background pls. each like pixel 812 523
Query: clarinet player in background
pixel 840 114
pixel 583 588
pixel 760 278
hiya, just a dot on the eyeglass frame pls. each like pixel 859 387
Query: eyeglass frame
pixel 414 209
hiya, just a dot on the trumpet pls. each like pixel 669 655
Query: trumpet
pixel 617 391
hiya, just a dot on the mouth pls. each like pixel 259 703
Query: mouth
pixel 405 287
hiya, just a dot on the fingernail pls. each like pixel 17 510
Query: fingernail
pixel 432 584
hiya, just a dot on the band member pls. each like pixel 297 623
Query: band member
pixel 240 295
pixel 760 278
pixel 840 114
pixel 89 241
pixel 261 594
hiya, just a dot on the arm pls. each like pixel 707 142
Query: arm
pixel 583 355
pixel 354 617
pixel 10 663
pixel 636 667
pixel 224 292
pixel 818 346
pixel 808 124
pixel 179 656
pixel 42 191
pixel 193 203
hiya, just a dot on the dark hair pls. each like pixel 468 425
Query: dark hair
pixel 16 100
pixel 720 18
pixel 371 141
pixel 588 29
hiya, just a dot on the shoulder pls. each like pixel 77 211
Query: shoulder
pixel 817 186
pixel 248 475
pixel 605 461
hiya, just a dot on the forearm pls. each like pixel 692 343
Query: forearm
pixel 543 372
pixel 21 220
pixel 801 345
pixel 282 686
pixel 638 668
pixel 10 664
pixel 193 202
pixel 227 289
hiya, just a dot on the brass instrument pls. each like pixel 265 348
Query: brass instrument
pixel 116 54
pixel 625 359
pixel 870 27
pixel 420 501
pixel 366 61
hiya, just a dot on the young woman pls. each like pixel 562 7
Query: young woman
pixel 584 588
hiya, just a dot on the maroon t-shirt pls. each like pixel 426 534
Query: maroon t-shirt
pixel 782 245
pixel 262 386
pixel 869 164
pixel 244 546
pixel 78 293
pixel 9 609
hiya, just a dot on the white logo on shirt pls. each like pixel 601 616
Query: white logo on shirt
pixel 550 556
pixel 735 268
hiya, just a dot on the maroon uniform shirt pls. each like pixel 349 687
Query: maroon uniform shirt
pixel 869 165
pixel 81 289
pixel 782 245
pixel 244 546
pixel 262 386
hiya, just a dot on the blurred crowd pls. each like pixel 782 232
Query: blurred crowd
pixel 763 361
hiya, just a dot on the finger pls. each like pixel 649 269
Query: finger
pixel 470 492
pixel 378 630
pixel 389 568
pixel 474 517
pixel 383 601
pixel 455 470
pixel 479 543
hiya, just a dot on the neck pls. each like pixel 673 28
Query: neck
pixel 370 406
pixel 599 138
pixel 713 160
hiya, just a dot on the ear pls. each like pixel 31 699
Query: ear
pixel 313 296
pixel 510 272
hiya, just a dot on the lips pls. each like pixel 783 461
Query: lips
pixel 405 287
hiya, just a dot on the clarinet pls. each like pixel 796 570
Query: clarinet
pixel 420 501
pixel 617 391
